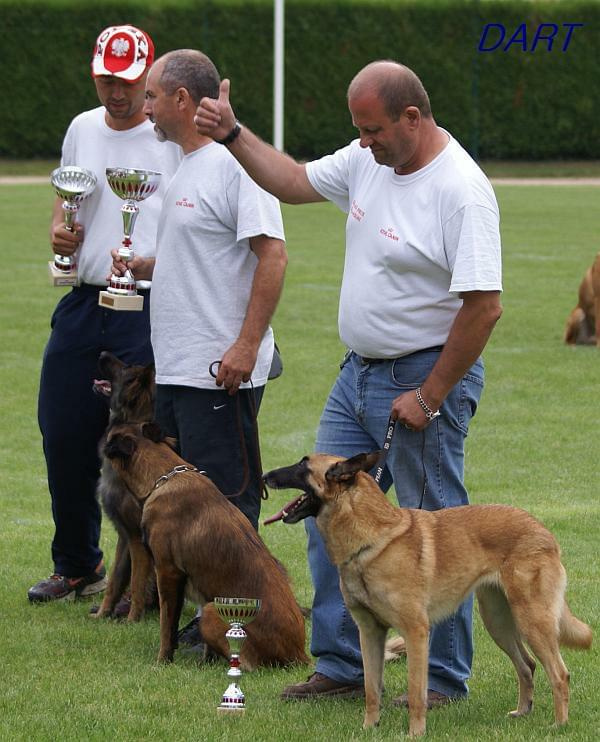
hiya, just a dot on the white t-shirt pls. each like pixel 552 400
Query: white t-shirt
pixel 91 144
pixel 205 268
pixel 413 243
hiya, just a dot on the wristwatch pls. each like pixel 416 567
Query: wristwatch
pixel 232 136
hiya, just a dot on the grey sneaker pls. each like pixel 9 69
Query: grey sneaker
pixel 57 587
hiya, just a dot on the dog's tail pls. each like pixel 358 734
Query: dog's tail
pixel 573 632
pixel 576 319
pixel 395 647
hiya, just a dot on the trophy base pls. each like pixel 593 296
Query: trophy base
pixel 61 278
pixel 121 302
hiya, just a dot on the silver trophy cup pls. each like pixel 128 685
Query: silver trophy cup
pixel 73 184
pixel 132 186
pixel 237 612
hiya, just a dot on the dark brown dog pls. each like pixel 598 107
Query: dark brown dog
pixel 131 390
pixel 408 569
pixel 198 539
pixel 583 324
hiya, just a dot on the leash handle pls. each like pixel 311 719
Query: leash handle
pixel 391 426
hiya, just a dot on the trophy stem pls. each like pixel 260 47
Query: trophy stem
pixel 131 185
pixel 73 184
pixel 237 612
pixel 70 211
pixel 233 698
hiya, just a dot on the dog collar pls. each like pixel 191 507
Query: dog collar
pixel 175 470
pixel 180 469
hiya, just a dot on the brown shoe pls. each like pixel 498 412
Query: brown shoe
pixel 434 700
pixel 320 686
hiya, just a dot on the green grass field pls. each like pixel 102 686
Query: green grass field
pixel 533 444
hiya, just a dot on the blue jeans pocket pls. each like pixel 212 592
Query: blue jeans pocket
pixel 409 372
pixel 461 404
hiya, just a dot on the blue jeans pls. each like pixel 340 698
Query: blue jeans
pixel 427 471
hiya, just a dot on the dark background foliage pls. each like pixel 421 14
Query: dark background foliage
pixel 502 104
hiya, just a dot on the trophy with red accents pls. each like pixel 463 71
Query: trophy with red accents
pixel 237 612
pixel 132 186
pixel 73 184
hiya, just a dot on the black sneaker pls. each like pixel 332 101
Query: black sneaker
pixel 189 635
pixel 191 642
pixel 57 587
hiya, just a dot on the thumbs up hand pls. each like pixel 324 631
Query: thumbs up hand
pixel 214 117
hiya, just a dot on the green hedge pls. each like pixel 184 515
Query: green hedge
pixel 512 104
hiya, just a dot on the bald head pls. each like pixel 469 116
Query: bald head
pixel 189 69
pixel 394 84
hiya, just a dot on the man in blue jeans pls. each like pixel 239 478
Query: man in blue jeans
pixel 419 298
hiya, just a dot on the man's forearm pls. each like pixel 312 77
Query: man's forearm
pixel 468 336
pixel 264 297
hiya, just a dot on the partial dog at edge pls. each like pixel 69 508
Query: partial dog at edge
pixel 199 540
pixel 409 569
pixel 583 323
pixel 131 391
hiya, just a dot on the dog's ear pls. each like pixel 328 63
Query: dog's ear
pixel 345 471
pixel 109 365
pixel 120 447
pixel 153 432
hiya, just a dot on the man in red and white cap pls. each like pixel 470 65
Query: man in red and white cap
pixel 72 419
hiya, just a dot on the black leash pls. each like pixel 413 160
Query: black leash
pixel 385 450
pixel 264 492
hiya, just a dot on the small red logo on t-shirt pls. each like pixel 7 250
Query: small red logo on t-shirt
pixel 389 233
pixel 356 211
pixel 186 203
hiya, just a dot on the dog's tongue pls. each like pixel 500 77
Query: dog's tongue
pixel 283 512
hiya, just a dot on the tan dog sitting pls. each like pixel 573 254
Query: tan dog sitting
pixel 583 324
pixel 409 569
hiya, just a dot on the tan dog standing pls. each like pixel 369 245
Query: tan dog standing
pixel 408 569
pixel 583 324
pixel 200 541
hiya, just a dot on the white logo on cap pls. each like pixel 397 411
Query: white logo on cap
pixel 120 47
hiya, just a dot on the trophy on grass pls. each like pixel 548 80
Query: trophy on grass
pixel 131 185
pixel 72 184
pixel 236 612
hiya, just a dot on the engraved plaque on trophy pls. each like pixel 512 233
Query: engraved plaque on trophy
pixel 132 186
pixel 73 185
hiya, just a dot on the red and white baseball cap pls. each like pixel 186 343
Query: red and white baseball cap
pixel 123 51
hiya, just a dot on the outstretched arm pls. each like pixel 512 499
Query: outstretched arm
pixel 274 171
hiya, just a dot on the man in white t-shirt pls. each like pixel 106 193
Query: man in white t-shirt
pixel 216 280
pixel 72 418
pixel 420 296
